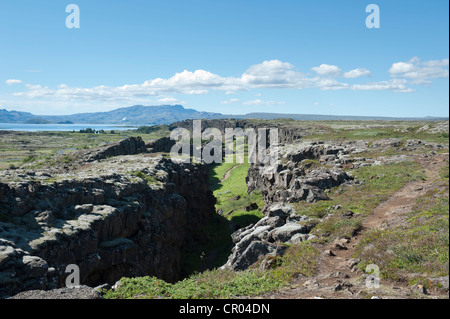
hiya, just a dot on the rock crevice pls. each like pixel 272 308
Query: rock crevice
pixel 128 215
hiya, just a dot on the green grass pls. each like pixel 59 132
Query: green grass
pixel 20 147
pixel 29 159
pixel 219 171
pixel 232 195
pixel 214 240
pixel 419 246
pixel 372 134
pixel 376 184
pixel 148 179
pixel 213 284
pixel 444 172
pixel 299 259
pixel 235 184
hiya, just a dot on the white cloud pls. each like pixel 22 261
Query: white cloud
pixel 273 74
pixel 357 73
pixel 230 101
pixel 327 84
pixel 186 82
pixel 270 67
pixel 396 85
pixel 13 81
pixel 417 70
pixel 436 63
pixel 168 100
pixel 259 102
pixel 401 67
pixel 326 69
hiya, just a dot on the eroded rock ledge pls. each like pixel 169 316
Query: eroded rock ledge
pixel 126 215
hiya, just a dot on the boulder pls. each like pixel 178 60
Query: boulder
pixel 286 232
pixel 266 237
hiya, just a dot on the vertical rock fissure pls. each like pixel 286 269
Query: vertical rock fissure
pixel 129 215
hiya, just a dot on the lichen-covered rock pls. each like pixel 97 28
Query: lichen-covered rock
pixel 81 292
pixel 121 216
pixel 129 146
pixel 280 225
pixel 294 178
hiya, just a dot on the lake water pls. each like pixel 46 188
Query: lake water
pixel 61 127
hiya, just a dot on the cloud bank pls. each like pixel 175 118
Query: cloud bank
pixel 272 74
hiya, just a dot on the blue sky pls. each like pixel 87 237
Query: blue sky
pixel 232 57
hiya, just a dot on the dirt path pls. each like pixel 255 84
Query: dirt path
pixel 337 276
pixel 402 202
pixel 228 173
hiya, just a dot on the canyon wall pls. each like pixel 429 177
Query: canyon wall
pixel 126 215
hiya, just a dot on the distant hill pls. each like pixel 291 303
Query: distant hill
pixel 15 116
pixel 166 114
pixel 133 115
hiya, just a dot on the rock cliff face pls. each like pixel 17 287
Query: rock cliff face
pixel 286 133
pixel 298 175
pixel 304 172
pixel 130 146
pixel 126 215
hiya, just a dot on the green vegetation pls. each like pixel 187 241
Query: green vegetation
pixel 237 209
pixel 158 129
pixel 148 179
pixel 228 182
pixel 299 259
pixel 208 285
pixel 376 184
pixel 18 148
pixel 351 130
pixel 419 246
pixel 444 172
pixel 29 159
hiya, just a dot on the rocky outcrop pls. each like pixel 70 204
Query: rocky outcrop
pixel 298 176
pixel 163 145
pixel 435 128
pixel 122 216
pixel 81 292
pixel 129 146
pixel 304 172
pixel 286 133
pixel 281 225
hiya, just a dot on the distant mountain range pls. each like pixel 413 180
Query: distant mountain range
pixel 166 114
pixel 133 115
